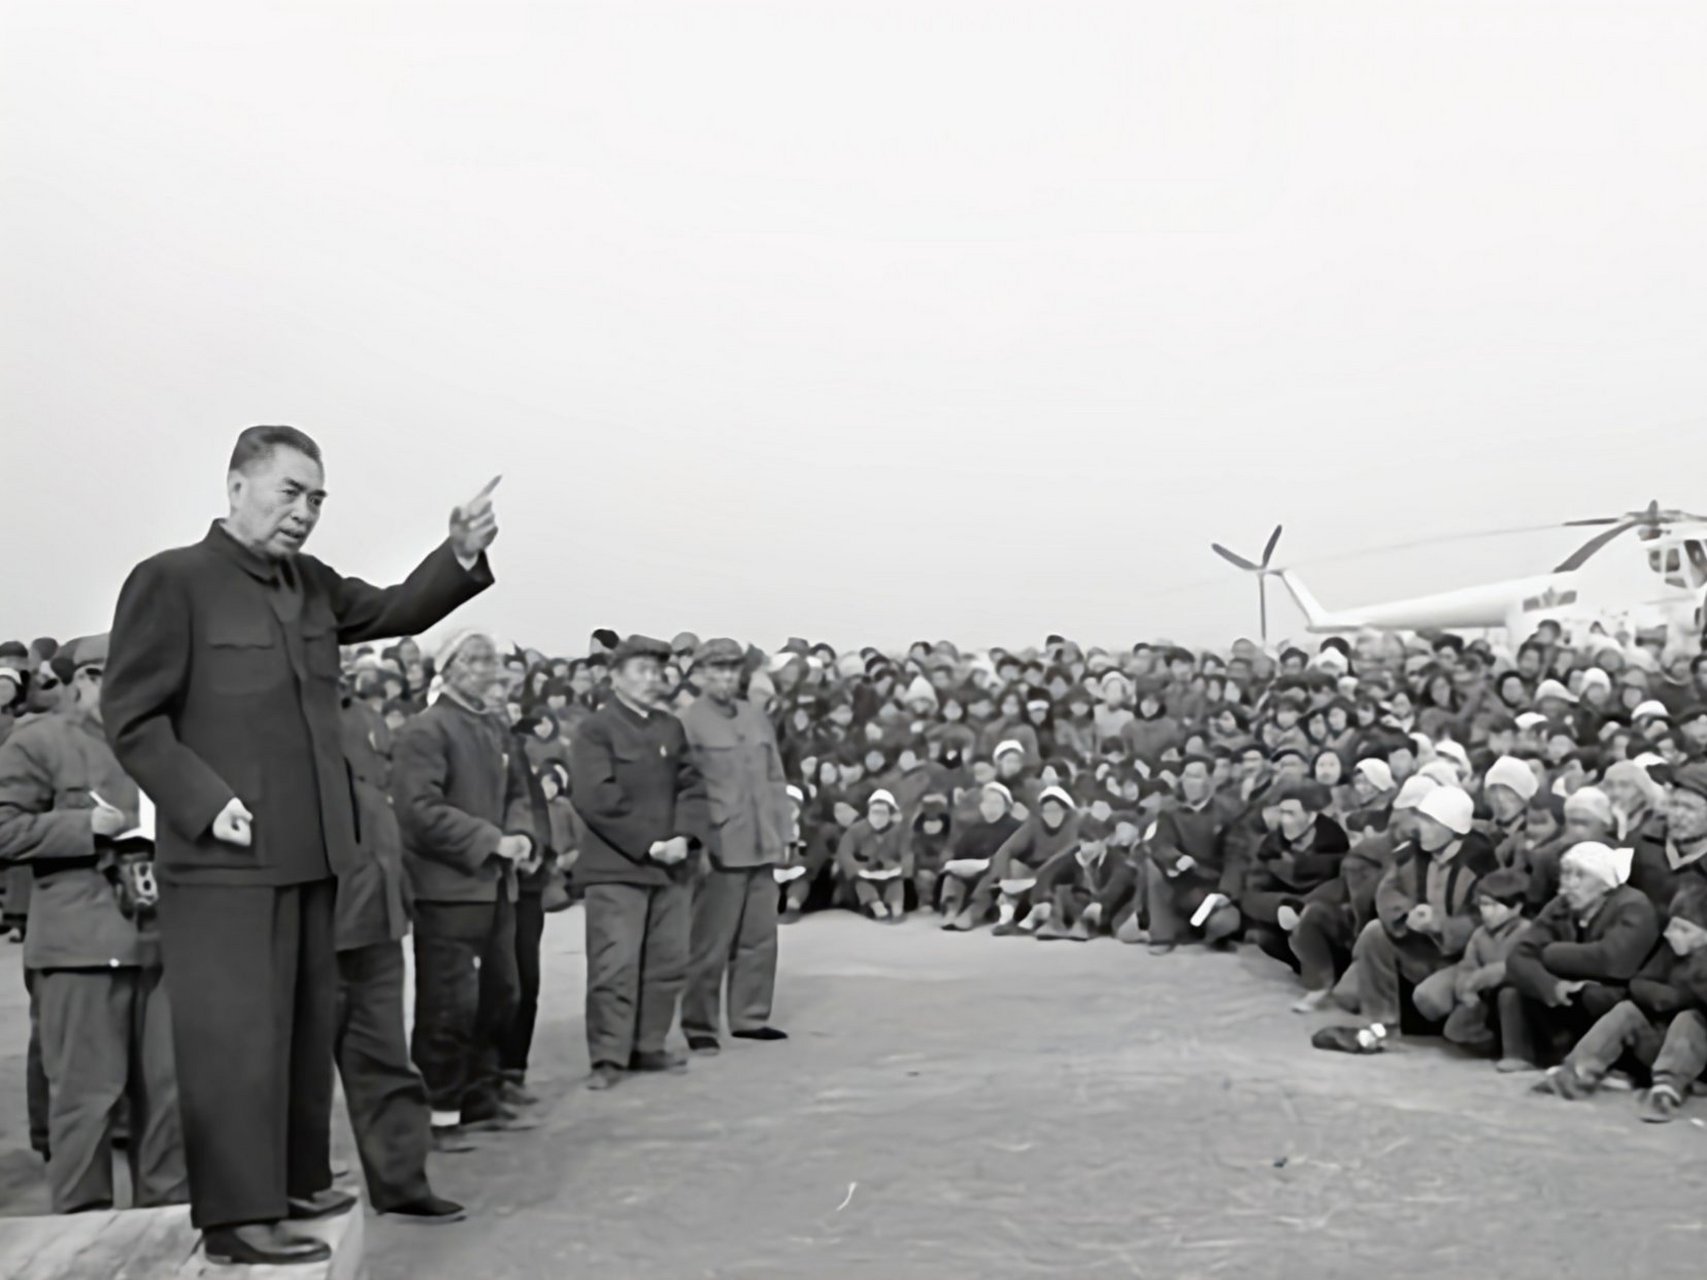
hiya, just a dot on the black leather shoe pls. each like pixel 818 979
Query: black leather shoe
pixel 430 1210
pixel 760 1033
pixel 706 1045
pixel 262 1244
pixel 322 1204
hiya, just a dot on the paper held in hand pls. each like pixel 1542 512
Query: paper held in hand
pixel 966 867
pixel 1210 906
pixel 784 874
pixel 879 873
pixel 144 828
pixel 1018 885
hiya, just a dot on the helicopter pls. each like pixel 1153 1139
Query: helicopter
pixel 1658 580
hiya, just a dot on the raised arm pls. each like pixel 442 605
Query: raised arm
pixel 437 587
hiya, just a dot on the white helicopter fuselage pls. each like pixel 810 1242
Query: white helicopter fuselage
pixel 1663 584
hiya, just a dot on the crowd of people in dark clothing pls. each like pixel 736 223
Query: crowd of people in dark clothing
pixel 1506 846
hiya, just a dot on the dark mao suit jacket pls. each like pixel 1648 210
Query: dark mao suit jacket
pixel 214 690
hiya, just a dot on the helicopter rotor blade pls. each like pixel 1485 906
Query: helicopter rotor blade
pixel 1598 520
pixel 1581 555
pixel 1234 558
pixel 1268 551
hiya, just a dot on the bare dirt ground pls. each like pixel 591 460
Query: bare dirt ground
pixel 956 1106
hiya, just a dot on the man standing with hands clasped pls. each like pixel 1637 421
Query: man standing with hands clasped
pixel 734 903
pixel 221 701
pixel 642 803
pixel 460 792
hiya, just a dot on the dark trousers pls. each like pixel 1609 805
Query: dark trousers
pixel 106 1037
pixel 733 936
pixel 386 1097
pixel 1322 943
pixel 1171 902
pixel 253 981
pixel 517 1041
pixel 637 959
pixel 465 997
pixel 35 1074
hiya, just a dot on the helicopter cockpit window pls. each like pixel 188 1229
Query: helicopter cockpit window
pixel 1697 557
pixel 1669 563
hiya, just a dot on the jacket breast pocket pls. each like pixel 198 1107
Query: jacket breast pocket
pixel 241 655
pixel 320 647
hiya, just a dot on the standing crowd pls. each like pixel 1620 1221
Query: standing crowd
pixel 1503 846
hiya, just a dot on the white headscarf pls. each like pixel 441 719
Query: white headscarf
pixel 448 652
pixel 1608 865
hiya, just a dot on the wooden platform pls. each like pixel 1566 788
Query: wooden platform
pixel 153 1244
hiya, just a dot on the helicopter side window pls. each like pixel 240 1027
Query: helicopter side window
pixel 1697 556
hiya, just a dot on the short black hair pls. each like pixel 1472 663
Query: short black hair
pixel 256 444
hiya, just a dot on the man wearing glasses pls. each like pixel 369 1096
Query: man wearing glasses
pixel 91 950
pixel 222 701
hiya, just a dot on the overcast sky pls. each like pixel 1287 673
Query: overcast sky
pixel 859 321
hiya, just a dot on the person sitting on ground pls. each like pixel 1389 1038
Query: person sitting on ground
pixel 1013 871
pixel 1576 959
pixel 1071 882
pixel 1296 864
pixel 1327 929
pixel 929 837
pixel 1462 995
pixel 1662 1026
pixel 874 862
pixel 974 845
pixel 1670 856
pixel 1507 789
pixel 1425 915
pixel 1190 886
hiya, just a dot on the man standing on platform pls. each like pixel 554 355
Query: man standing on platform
pixel 221 700
pixel 642 807
pixel 734 902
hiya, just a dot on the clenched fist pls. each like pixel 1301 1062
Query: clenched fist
pixel 234 825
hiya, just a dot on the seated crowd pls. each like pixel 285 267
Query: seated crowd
pixel 1507 847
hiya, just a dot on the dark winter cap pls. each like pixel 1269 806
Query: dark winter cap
pixel 639 647
pixel 719 652
pixel 1507 885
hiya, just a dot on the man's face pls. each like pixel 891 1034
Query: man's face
pixel 85 691
pixel 1432 834
pixel 720 682
pixel 275 504
pixel 1194 783
pixel 1696 731
pixel 473 671
pixel 1686 815
pixel 1290 768
pixel 1505 802
pixel 1294 819
pixel 1578 887
pixel 640 680
pixel 1250 764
